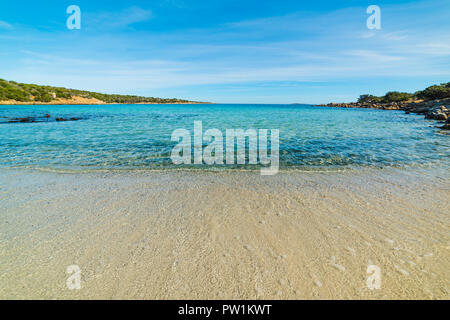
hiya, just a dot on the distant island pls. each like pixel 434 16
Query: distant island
pixel 14 93
pixel 433 102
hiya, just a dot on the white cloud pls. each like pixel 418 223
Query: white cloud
pixel 374 57
pixel 115 20
pixel 435 48
pixel 5 25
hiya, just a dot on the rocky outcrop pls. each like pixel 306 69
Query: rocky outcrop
pixel 438 113
pixel 366 105
pixel 22 120
pixel 70 119
pixel 434 109
pixel 446 126
pixel 45 118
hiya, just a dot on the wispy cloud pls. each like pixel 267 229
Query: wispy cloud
pixel 373 56
pixel 436 48
pixel 117 20
pixel 5 25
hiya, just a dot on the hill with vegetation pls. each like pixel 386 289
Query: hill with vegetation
pixel 435 92
pixel 12 92
pixel 433 102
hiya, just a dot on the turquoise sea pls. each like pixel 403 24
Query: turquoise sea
pixel 139 136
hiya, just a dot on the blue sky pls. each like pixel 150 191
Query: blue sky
pixel 228 51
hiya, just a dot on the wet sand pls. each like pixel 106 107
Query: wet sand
pixel 225 235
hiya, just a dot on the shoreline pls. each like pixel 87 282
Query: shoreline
pixel 233 235
pixel 437 165
pixel 438 109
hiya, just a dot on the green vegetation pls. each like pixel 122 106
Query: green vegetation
pixel 11 90
pixel 395 96
pixel 368 98
pixel 392 96
pixel 431 93
pixel 435 92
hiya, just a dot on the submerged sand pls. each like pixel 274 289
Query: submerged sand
pixel 225 235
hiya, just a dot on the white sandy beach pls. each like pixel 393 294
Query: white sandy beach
pixel 225 235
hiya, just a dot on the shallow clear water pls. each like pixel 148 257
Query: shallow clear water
pixel 139 136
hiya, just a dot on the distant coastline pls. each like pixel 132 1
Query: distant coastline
pixel 14 93
pixel 433 102
pixel 80 102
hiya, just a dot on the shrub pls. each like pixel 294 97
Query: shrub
pixel 368 98
pixel 435 92
pixel 395 96
pixel 10 90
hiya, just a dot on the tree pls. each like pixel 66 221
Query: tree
pixel 435 92
pixel 368 98
pixel 395 96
